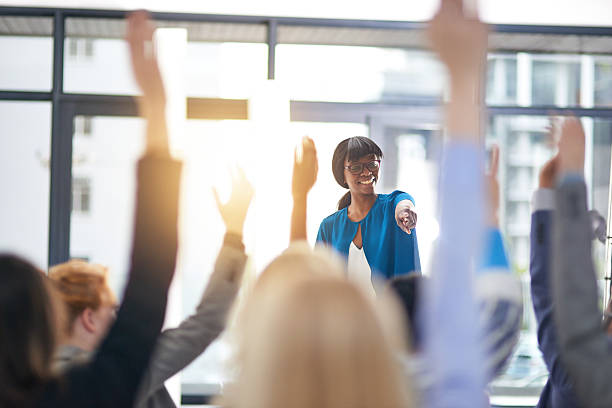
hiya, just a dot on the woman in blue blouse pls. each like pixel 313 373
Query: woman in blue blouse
pixel 374 231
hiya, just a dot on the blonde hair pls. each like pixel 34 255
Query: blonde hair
pixel 314 340
pixel 80 285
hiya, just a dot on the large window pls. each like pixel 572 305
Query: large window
pixel 343 81
pixel 358 74
pixel 212 70
pixel 28 60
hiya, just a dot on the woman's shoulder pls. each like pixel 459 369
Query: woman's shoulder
pixel 330 219
pixel 395 196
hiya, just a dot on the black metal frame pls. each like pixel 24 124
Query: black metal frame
pixel 66 106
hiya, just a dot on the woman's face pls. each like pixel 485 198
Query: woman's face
pixel 362 175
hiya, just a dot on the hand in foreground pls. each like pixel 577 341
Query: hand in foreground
pixel 305 168
pixel 548 173
pixel 406 216
pixel 139 35
pixel 571 146
pixel 492 186
pixel 234 212
pixel 459 40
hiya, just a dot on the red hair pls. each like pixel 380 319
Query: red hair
pixel 80 285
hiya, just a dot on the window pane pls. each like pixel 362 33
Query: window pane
pixel 24 179
pixel 603 81
pixel 555 82
pixel 103 188
pixel 357 74
pixel 29 68
pixel 225 70
pixel 501 80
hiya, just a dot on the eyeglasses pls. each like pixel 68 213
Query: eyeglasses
pixel 357 168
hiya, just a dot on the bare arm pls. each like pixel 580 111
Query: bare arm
pixel 305 170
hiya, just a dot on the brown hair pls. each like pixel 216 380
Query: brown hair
pixel 29 318
pixel 80 285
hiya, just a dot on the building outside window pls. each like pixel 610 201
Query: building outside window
pixel 81 195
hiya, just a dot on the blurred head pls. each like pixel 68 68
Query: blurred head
pixel 356 164
pixel 90 303
pixel 29 320
pixel 315 340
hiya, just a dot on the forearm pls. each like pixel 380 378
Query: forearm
pixel 157 127
pixel 450 308
pixel 298 219
pixel 463 109
pixel 583 344
pixel 178 347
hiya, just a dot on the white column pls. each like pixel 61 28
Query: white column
pixel 269 116
pixel 171 46
pixel 523 80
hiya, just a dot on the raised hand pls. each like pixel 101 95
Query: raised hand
pixel 461 44
pixel 548 173
pixel 305 168
pixel 406 216
pixel 459 40
pixel 492 186
pixel 152 105
pixel 139 35
pixel 571 146
pixel 234 212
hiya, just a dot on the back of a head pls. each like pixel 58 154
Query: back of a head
pixel 80 285
pixel 29 316
pixel 319 343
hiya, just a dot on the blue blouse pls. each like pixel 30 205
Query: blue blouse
pixel 389 250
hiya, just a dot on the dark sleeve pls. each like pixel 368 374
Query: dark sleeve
pixel 540 269
pixel 178 347
pixel 583 344
pixel 113 376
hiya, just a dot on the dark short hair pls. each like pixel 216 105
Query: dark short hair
pixel 351 149
pixel 28 329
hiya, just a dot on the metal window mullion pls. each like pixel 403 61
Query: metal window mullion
pixel 272 38
pixel 61 154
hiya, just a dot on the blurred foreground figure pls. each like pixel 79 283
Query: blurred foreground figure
pixel 583 343
pixel 309 338
pixel 29 322
pixel 90 304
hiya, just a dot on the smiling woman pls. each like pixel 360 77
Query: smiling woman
pixel 375 232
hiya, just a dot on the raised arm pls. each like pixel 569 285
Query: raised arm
pixel 451 329
pixel 540 269
pixel 498 291
pixel 583 343
pixel 178 347
pixel 112 378
pixel 305 168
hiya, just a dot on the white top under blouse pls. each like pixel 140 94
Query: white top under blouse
pixel 359 271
